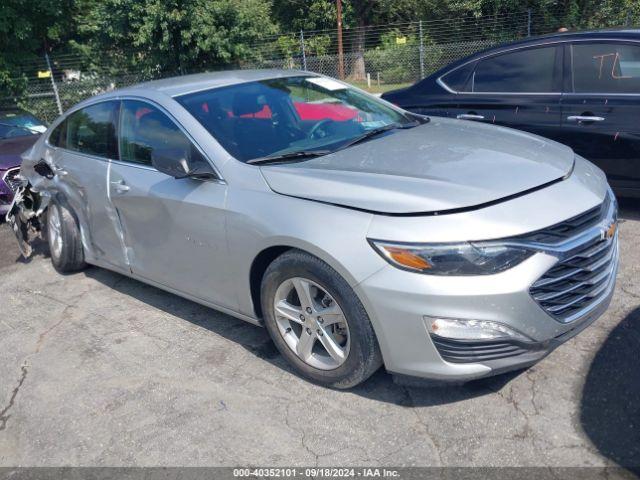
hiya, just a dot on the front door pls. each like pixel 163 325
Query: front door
pixel 174 229
pixel 601 109
pixel 518 89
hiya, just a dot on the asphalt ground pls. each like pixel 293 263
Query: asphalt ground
pixel 97 369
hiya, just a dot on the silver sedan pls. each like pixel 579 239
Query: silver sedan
pixel 359 234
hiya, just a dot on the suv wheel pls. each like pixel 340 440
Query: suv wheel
pixel 317 322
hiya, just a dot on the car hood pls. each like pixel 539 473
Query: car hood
pixel 12 148
pixel 441 165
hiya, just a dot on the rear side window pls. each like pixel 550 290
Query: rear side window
pixel 145 131
pixel 92 130
pixel 606 68
pixel 524 71
pixel 458 79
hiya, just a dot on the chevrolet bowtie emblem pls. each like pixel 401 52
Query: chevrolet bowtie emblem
pixel 611 231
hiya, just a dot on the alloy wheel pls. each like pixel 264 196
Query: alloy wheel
pixel 312 323
pixel 54 231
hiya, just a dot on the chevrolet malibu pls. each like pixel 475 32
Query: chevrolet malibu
pixel 357 233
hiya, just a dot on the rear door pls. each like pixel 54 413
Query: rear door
pixel 86 141
pixel 174 229
pixel 519 89
pixel 601 110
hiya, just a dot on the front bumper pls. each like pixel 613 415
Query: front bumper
pixel 401 303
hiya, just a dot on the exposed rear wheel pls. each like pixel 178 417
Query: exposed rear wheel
pixel 63 236
pixel 317 322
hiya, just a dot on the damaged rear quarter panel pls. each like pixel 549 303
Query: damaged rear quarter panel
pixel 41 183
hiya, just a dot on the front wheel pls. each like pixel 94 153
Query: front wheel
pixel 317 322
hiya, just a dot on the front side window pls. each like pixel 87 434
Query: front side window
pixel 92 130
pixel 605 68
pixel 146 132
pixel 523 71
pixel 287 115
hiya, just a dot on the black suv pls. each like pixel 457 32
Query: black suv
pixel 581 89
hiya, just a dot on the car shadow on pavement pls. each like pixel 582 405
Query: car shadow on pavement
pixel 423 393
pixel 610 404
pixel 380 387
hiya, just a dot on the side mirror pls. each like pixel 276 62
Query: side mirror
pixel 175 162
pixel 171 161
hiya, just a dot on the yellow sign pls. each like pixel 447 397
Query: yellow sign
pixel 401 40
pixel 44 74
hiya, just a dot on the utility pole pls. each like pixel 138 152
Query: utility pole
pixel 53 81
pixel 340 52
pixel 421 52
pixel 304 53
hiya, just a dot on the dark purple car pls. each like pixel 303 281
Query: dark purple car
pixel 18 131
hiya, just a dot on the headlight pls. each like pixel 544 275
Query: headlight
pixel 452 259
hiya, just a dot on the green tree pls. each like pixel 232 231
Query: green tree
pixel 296 15
pixel 26 28
pixel 176 35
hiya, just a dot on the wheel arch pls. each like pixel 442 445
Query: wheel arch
pixel 269 253
pixel 62 198
pixel 259 265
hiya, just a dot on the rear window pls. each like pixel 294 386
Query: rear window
pixel 458 79
pixel 19 124
pixel 606 68
pixel 92 130
pixel 523 71
pixel 58 137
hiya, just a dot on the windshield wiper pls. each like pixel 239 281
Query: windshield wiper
pixel 299 155
pixel 372 133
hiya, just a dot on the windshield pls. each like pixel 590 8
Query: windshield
pixel 19 124
pixel 281 116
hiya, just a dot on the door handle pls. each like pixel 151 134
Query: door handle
pixel 120 187
pixel 585 118
pixel 469 116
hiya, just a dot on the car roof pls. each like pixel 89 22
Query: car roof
pixel 603 34
pixel 613 33
pixel 176 86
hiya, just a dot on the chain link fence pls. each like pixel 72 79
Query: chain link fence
pixel 376 58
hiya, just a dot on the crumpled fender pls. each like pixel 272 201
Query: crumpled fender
pixel 25 216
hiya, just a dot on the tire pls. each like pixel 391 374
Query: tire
pixel 63 237
pixel 355 352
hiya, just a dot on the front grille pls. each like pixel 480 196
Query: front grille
pixel 12 180
pixel 579 281
pixel 457 351
pixel 572 227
